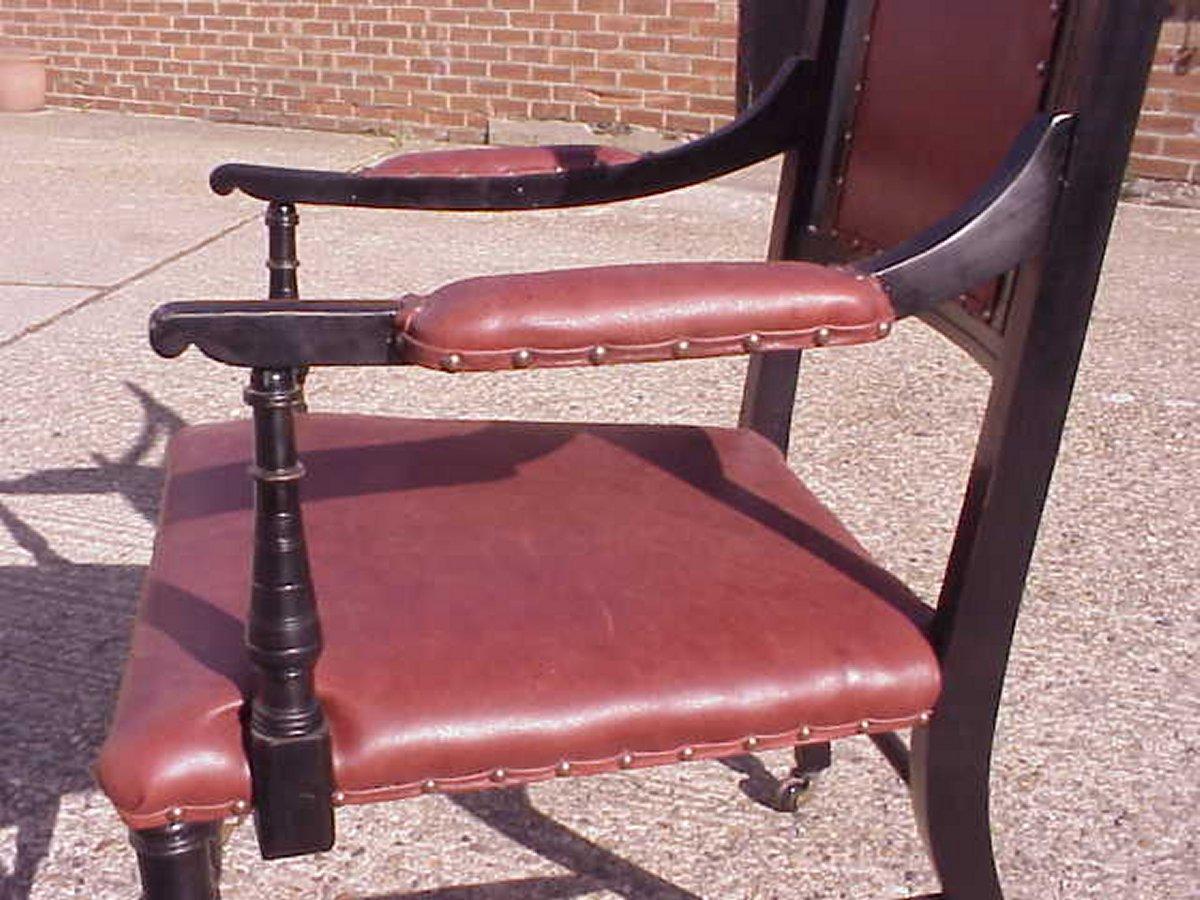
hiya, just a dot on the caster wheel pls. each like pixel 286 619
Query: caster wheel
pixel 793 792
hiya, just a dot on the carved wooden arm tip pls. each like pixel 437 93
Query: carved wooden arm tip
pixel 222 180
pixel 166 337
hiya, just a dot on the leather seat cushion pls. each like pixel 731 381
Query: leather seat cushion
pixel 513 596
pixel 476 162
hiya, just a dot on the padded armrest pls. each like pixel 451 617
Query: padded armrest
pixel 478 162
pixel 573 317
pixel 639 313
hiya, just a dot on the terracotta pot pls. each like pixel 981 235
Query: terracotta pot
pixel 22 82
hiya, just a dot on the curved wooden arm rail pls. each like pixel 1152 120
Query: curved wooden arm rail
pixel 651 312
pixel 769 127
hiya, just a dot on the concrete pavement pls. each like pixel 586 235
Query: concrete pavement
pixel 102 217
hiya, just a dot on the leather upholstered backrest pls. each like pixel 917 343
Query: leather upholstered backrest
pixel 941 88
pixel 946 87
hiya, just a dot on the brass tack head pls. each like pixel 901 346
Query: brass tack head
pixel 498 775
pixel 752 341
pixel 522 359
pixel 563 768
pixel 452 362
pixel 884 329
pixel 1043 67
pixel 429 786
pixel 174 814
pixel 925 718
pixel 240 807
pixel 681 348
pixel 597 355
pixel 338 798
pixel 625 761
pixel 686 753
pixel 822 336
pixel 864 726
pixel 805 733
pixel 750 743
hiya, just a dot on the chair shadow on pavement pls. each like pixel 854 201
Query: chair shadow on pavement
pixel 510 812
pixel 64 638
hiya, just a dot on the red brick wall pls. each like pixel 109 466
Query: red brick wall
pixel 1168 139
pixel 436 68
pixel 442 68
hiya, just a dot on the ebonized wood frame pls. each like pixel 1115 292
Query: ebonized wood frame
pixel 1018 445
pixel 997 230
pixel 769 127
pixel 291 763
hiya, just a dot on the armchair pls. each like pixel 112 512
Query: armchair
pixel 435 606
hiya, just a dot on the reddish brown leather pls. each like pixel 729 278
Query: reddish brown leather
pixel 640 313
pixel 948 86
pixel 512 596
pixel 483 161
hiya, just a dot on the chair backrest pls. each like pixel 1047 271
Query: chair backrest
pixel 944 88
pixel 926 98
pixel 923 98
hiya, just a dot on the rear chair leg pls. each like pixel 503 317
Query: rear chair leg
pixel 950 768
pixel 179 861
pixel 797 788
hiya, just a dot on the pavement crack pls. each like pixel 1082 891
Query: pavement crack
pixel 53 284
pixel 107 291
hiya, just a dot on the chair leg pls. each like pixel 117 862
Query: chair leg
pixel 950 767
pixel 798 787
pixel 179 861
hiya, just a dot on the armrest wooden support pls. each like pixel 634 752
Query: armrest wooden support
pixel 1003 225
pixel 649 312
pixel 280 335
pixel 767 128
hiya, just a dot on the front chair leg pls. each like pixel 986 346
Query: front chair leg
pixel 179 861
pixel 282 263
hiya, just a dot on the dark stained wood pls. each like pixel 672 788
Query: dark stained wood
pixel 769 392
pixel 1011 473
pixel 771 125
pixel 179 861
pixel 770 31
pixel 286 733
